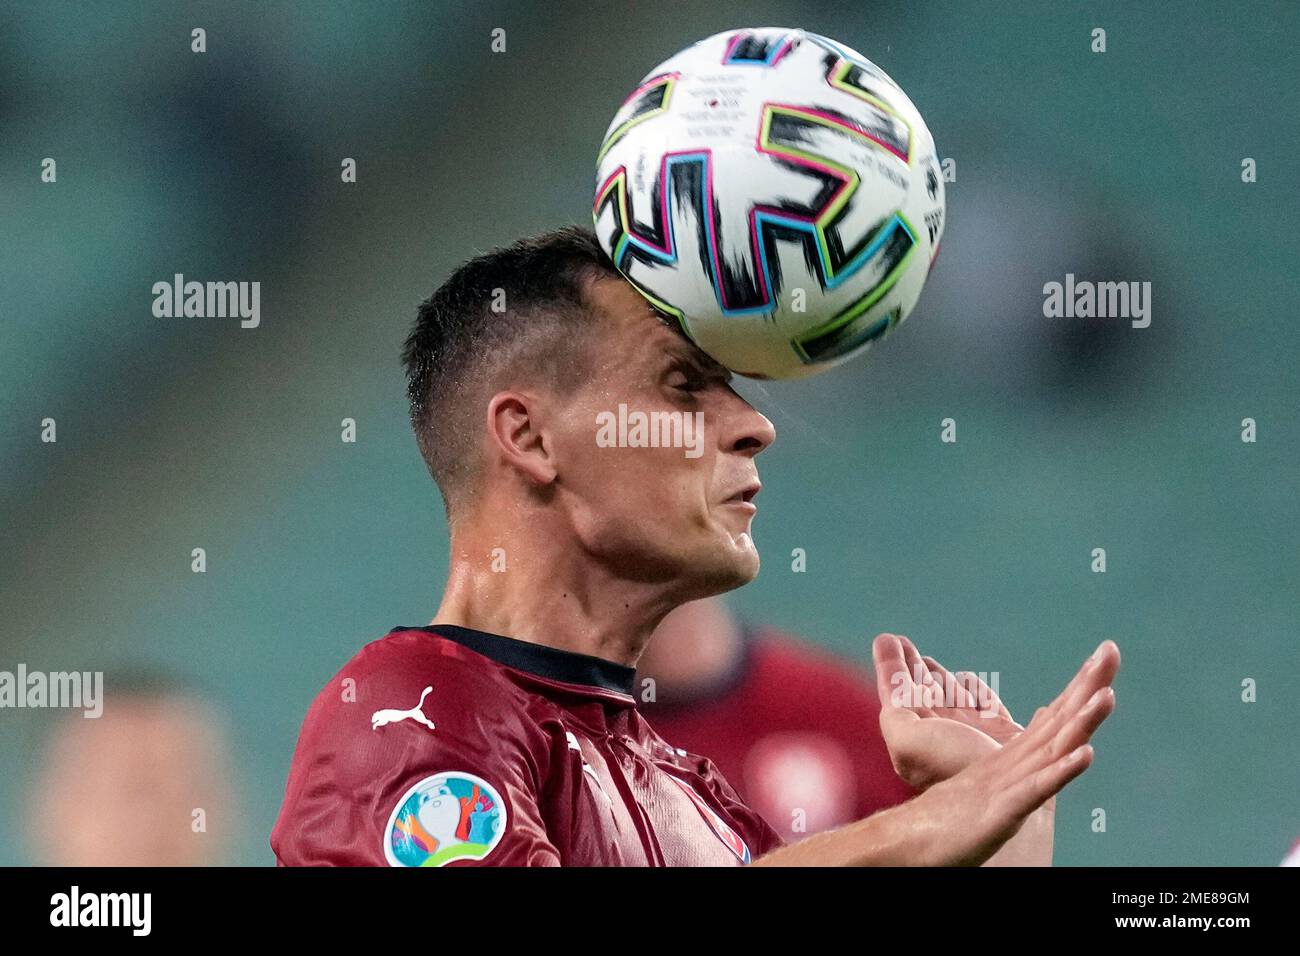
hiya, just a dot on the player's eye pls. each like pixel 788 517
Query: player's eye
pixel 685 379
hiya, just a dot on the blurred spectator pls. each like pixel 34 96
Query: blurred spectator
pixel 1293 855
pixel 793 729
pixel 145 784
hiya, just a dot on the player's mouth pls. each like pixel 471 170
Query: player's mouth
pixel 743 498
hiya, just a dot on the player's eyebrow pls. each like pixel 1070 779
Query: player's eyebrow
pixel 684 353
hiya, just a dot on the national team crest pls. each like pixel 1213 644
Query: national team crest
pixel 449 816
pixel 726 834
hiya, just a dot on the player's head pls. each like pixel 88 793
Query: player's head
pixel 122 789
pixel 524 368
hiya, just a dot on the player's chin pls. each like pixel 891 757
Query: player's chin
pixel 737 556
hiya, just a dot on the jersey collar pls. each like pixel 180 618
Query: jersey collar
pixel 550 663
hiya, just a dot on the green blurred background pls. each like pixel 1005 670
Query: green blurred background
pixel 1072 434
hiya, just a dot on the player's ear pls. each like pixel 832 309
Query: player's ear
pixel 515 435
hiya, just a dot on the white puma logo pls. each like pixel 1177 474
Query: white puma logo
pixel 391 715
pixel 586 767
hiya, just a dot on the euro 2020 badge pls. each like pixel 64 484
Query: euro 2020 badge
pixel 449 816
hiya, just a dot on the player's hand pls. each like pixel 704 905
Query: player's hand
pixel 936 728
pixel 969 817
pixel 985 805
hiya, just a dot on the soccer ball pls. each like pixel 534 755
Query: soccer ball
pixel 777 194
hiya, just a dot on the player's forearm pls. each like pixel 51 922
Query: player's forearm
pixel 910 834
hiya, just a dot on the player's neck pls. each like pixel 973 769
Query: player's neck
pixel 563 601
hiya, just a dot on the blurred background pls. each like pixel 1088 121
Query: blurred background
pixel 1073 434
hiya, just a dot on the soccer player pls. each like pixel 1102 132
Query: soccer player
pixel 506 731
pixel 794 730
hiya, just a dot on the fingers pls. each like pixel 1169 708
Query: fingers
pixel 1097 672
pixel 906 680
pixel 1079 729
pixel 968 691
pixel 964 690
pixel 1048 745
pixel 985 695
pixel 1037 764
pixel 959 696
pixel 887 655
pixel 894 687
pixel 895 681
pixel 916 666
pixel 1053 763
pixel 1037 720
pixel 1028 794
pixel 914 663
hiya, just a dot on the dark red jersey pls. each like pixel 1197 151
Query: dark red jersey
pixel 444 745
pixel 796 731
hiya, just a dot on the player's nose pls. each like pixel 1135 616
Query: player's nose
pixel 753 432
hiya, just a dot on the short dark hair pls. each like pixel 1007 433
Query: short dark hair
pixel 518 310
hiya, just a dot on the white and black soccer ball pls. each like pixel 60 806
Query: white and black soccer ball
pixel 775 192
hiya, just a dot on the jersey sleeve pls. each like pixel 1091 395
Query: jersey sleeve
pixel 380 780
